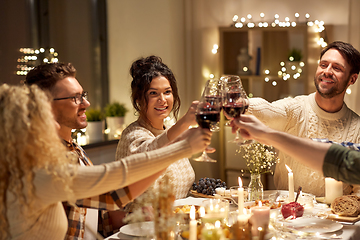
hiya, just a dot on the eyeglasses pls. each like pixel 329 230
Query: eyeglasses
pixel 78 98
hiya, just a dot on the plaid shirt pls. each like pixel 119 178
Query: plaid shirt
pixel 109 201
pixel 350 145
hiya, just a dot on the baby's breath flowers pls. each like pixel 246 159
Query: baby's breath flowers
pixel 259 158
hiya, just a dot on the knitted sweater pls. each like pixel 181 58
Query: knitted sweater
pixel 301 116
pixel 47 220
pixel 141 137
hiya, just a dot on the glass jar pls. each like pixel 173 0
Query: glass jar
pixel 255 188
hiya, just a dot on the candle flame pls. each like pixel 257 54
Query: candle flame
pixel 202 211
pixel 289 169
pixel 192 212
pixel 217 224
pixel 240 181
pixel 260 204
pixel 244 210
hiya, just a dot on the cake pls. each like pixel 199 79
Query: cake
pixel 294 209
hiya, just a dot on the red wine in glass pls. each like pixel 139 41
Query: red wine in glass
pixel 234 110
pixel 206 119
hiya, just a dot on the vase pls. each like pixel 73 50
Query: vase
pixel 255 188
pixel 94 131
pixel 115 125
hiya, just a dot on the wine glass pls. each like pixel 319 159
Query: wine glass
pixel 228 79
pixel 234 103
pixel 208 112
pixel 215 91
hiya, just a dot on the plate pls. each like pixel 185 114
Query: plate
pixel 140 229
pixel 189 201
pixel 314 225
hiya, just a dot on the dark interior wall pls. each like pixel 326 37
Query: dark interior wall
pixel 15 30
pixel 75 29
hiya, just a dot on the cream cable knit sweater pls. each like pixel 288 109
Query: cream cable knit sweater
pixel 141 137
pixel 48 220
pixel 301 116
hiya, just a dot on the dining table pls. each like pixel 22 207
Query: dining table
pixel 346 230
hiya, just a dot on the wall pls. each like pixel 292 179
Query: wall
pixel 183 33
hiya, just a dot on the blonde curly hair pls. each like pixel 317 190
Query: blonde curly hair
pixel 28 140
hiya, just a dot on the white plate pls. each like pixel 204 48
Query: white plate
pixel 140 229
pixel 314 225
pixel 189 201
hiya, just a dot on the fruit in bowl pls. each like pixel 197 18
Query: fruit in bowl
pixel 293 209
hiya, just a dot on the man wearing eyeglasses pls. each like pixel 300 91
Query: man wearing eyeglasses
pixel 69 107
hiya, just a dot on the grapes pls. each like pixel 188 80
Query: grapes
pixel 207 185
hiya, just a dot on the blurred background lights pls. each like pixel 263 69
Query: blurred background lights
pixel 348 91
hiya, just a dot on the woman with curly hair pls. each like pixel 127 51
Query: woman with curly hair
pixel 37 172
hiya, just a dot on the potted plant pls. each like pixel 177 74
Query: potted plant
pixel 115 113
pixel 94 128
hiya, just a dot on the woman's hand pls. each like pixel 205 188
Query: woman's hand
pixel 198 138
pixel 189 116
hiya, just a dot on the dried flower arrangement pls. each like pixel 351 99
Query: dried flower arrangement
pixel 259 158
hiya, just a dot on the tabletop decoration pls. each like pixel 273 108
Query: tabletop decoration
pixel 260 218
pixel 260 159
pixel 241 228
pixel 193 224
pixel 240 197
pixel 164 218
pixel 333 189
pixel 291 183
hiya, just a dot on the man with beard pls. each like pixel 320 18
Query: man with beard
pixel 322 114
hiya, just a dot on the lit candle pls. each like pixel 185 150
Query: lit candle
pixel 243 217
pixel 240 197
pixel 260 218
pixel 193 225
pixel 333 189
pixel 201 212
pixel 291 184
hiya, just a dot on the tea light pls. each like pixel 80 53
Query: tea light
pixel 193 225
pixel 333 189
pixel 243 217
pixel 240 197
pixel 291 184
pixel 260 218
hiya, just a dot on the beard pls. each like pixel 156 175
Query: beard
pixel 333 91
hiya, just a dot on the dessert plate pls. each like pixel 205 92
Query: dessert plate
pixel 140 229
pixel 314 225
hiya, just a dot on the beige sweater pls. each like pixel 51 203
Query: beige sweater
pixel 141 137
pixel 48 220
pixel 301 116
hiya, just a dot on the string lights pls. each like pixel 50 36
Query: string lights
pixel 33 57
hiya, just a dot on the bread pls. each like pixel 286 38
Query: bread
pixel 347 205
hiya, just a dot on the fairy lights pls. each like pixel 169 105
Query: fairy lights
pixel 33 57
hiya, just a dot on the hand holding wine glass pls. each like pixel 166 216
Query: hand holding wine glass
pixel 235 103
pixel 208 113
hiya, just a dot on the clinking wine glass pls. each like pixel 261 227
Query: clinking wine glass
pixel 208 113
pixel 229 79
pixel 235 103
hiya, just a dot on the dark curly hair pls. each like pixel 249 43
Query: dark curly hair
pixel 143 71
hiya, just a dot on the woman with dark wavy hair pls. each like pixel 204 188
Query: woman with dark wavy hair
pixel 155 97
